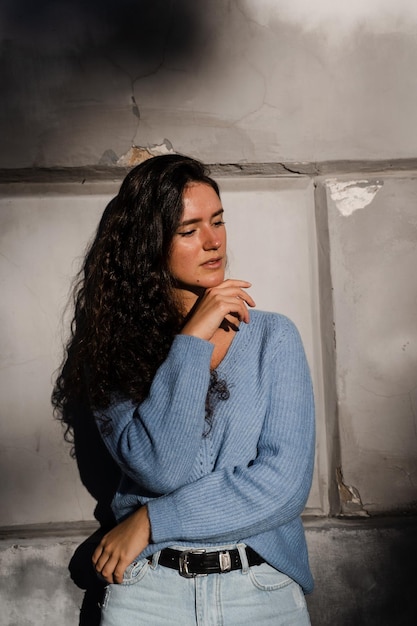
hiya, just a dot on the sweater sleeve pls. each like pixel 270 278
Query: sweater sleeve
pixel 156 443
pixel 230 504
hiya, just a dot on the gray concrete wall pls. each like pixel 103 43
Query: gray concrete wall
pixel 316 105
pixel 43 233
pixel 229 81
pixel 341 260
pixel 336 254
pixel 364 574
pixel 372 224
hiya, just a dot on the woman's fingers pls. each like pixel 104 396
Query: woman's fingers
pixel 227 293
pixel 97 555
pixel 234 305
pixel 233 287
pixel 228 298
pixel 122 545
pixel 101 563
pixel 230 282
pixel 107 572
pixel 114 569
pixel 111 566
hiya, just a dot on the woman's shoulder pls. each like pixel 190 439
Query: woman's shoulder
pixel 273 329
pixel 272 321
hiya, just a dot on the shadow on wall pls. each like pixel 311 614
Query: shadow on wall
pixel 98 472
pixel 368 576
pixel 139 29
pixel 76 65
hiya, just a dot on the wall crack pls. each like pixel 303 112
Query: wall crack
pixel 350 499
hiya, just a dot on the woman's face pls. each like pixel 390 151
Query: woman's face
pixel 198 251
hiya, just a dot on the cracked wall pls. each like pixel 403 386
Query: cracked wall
pixel 373 256
pixel 236 81
pixel 242 81
pixel 43 233
pixel 366 446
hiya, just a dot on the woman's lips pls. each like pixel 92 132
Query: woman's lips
pixel 213 264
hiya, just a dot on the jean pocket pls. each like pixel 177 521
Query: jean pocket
pixel 267 578
pixel 135 572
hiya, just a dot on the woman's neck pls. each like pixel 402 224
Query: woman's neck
pixel 187 300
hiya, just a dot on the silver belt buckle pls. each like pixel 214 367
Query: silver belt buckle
pixel 184 563
pixel 225 562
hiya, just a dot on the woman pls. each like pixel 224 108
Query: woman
pixel 207 409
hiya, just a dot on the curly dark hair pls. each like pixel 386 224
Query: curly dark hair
pixel 125 310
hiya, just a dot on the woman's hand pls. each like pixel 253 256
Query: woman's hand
pixel 122 545
pixel 227 299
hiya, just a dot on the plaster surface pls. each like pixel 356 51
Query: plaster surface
pixel 373 256
pixel 239 81
pixel 372 583
pixel 44 230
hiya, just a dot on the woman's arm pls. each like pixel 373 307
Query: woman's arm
pixel 121 546
pixel 156 443
pixel 233 503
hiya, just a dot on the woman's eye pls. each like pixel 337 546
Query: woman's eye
pixel 219 223
pixel 187 233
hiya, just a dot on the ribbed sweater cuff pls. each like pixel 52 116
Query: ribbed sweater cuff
pixel 193 346
pixel 164 520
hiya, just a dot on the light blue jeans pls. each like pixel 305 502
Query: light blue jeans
pixel 158 596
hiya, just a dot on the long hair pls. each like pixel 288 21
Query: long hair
pixel 125 310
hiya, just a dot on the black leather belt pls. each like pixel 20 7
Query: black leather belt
pixel 196 562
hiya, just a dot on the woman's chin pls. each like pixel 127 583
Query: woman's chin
pixel 214 280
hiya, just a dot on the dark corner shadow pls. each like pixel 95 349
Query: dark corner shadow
pixel 100 476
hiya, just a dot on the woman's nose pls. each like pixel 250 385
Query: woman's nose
pixel 212 241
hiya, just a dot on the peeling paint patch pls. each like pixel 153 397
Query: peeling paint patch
pixel 351 196
pixel 350 499
pixel 138 154
pixel 134 156
pixel 162 148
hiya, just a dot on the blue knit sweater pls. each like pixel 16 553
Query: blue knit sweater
pixel 248 479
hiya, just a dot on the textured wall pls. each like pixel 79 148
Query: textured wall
pixel 365 254
pixel 43 233
pixel 229 81
pixel 373 258
pixel 225 80
pixel 370 584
